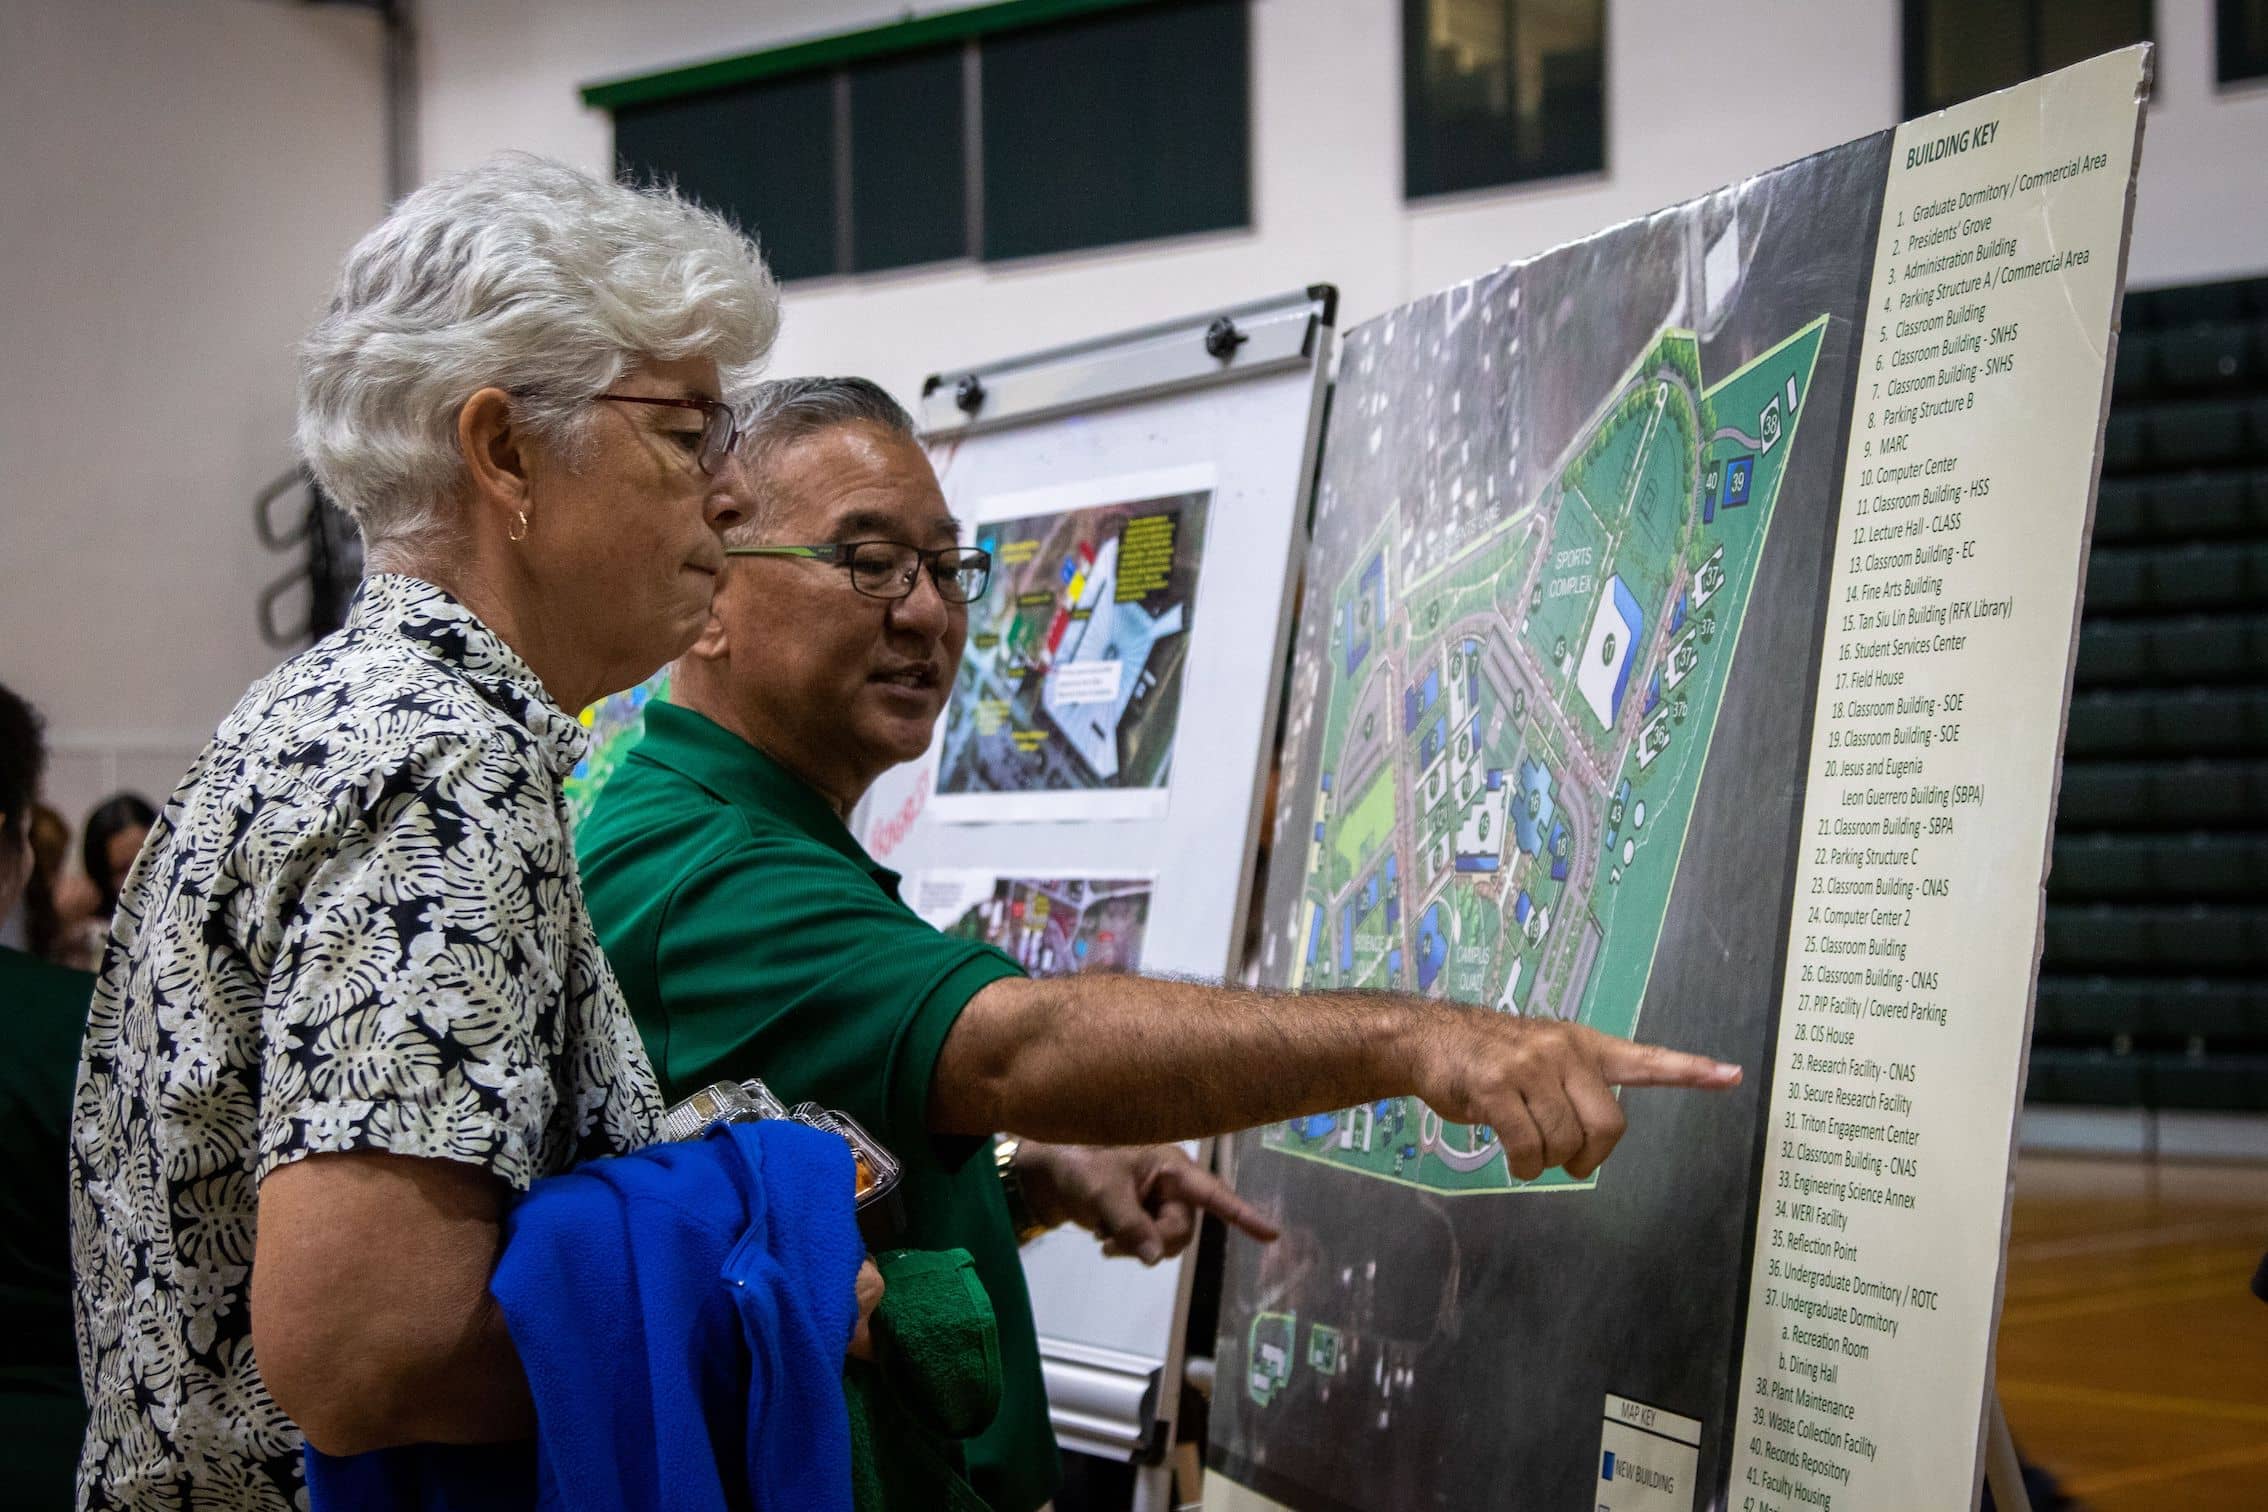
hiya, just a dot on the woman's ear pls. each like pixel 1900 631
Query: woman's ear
pixel 494 446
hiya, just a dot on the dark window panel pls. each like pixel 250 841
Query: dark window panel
pixel 1967 48
pixel 1959 49
pixel 2241 40
pixel 909 178
pixel 2072 33
pixel 1501 91
pixel 1120 127
pixel 762 153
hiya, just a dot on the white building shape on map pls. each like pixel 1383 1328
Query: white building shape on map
pixel 1487 822
pixel 1086 702
pixel 1508 1000
pixel 1602 675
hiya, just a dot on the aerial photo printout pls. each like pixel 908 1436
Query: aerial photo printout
pixel 1543 748
pixel 1513 739
pixel 1068 694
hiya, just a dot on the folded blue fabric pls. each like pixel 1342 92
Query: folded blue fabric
pixel 681 1314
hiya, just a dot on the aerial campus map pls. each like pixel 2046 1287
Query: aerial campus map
pixel 1512 740
pixel 1544 750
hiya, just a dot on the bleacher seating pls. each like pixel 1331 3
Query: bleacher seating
pixel 2154 981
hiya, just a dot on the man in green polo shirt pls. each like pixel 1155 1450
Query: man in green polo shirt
pixel 753 936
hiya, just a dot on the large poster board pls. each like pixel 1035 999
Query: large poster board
pixel 1688 631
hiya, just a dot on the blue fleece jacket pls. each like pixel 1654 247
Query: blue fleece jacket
pixel 681 1314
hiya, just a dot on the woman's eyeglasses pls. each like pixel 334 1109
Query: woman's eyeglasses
pixel 720 428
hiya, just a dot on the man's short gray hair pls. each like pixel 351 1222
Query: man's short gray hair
pixel 778 414
pixel 521 274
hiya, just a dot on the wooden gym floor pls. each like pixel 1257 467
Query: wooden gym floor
pixel 2133 1355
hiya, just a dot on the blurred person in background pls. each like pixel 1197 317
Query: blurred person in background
pixel 84 904
pixel 109 842
pixel 42 1414
pixel 33 925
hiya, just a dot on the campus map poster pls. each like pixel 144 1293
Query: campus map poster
pixel 1688 624
pixel 1067 697
pixel 1053 926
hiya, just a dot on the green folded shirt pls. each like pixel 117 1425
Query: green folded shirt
pixel 934 1381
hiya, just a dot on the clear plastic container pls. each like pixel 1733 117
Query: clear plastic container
pixel 751 1100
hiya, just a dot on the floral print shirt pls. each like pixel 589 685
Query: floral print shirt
pixel 357 925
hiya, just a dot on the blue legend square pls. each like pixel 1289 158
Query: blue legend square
pixel 1738 473
pixel 1606 1467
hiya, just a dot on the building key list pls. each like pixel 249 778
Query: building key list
pixel 1941 695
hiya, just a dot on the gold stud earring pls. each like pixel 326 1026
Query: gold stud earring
pixel 519 530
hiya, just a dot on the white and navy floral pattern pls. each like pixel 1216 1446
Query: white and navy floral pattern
pixel 356 926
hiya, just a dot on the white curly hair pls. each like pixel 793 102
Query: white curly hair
pixel 521 274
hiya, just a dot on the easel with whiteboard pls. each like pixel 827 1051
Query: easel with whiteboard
pixel 1228 406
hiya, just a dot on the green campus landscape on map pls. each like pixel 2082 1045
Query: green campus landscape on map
pixel 1512 742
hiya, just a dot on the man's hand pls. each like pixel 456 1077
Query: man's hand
pixel 1544 1086
pixel 869 1298
pixel 1143 1201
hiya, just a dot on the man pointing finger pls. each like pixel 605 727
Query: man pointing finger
pixel 753 935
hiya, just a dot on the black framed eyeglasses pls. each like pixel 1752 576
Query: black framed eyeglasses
pixel 720 427
pixel 889 569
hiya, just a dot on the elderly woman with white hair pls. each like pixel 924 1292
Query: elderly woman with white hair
pixel 351 1000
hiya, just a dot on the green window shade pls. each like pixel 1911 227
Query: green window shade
pixel 908 168
pixel 1117 128
pixel 1501 91
pixel 763 153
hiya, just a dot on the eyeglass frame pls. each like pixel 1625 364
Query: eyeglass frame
pixel 836 554
pixel 710 409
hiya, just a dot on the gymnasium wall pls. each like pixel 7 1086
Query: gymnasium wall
pixel 179 182
pixel 182 178
pixel 1697 96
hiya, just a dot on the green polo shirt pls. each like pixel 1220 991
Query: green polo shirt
pixel 754 937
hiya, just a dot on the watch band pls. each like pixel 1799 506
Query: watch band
pixel 1020 1215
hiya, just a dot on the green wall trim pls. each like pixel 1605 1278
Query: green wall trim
pixel 835 50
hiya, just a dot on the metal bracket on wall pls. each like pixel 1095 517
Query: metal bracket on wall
pixel 1233 343
pixel 399 22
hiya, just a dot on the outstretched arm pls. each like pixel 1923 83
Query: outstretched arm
pixel 1138 1060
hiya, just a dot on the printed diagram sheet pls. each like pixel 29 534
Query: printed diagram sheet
pixel 1512 740
pixel 1067 698
pixel 1053 926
